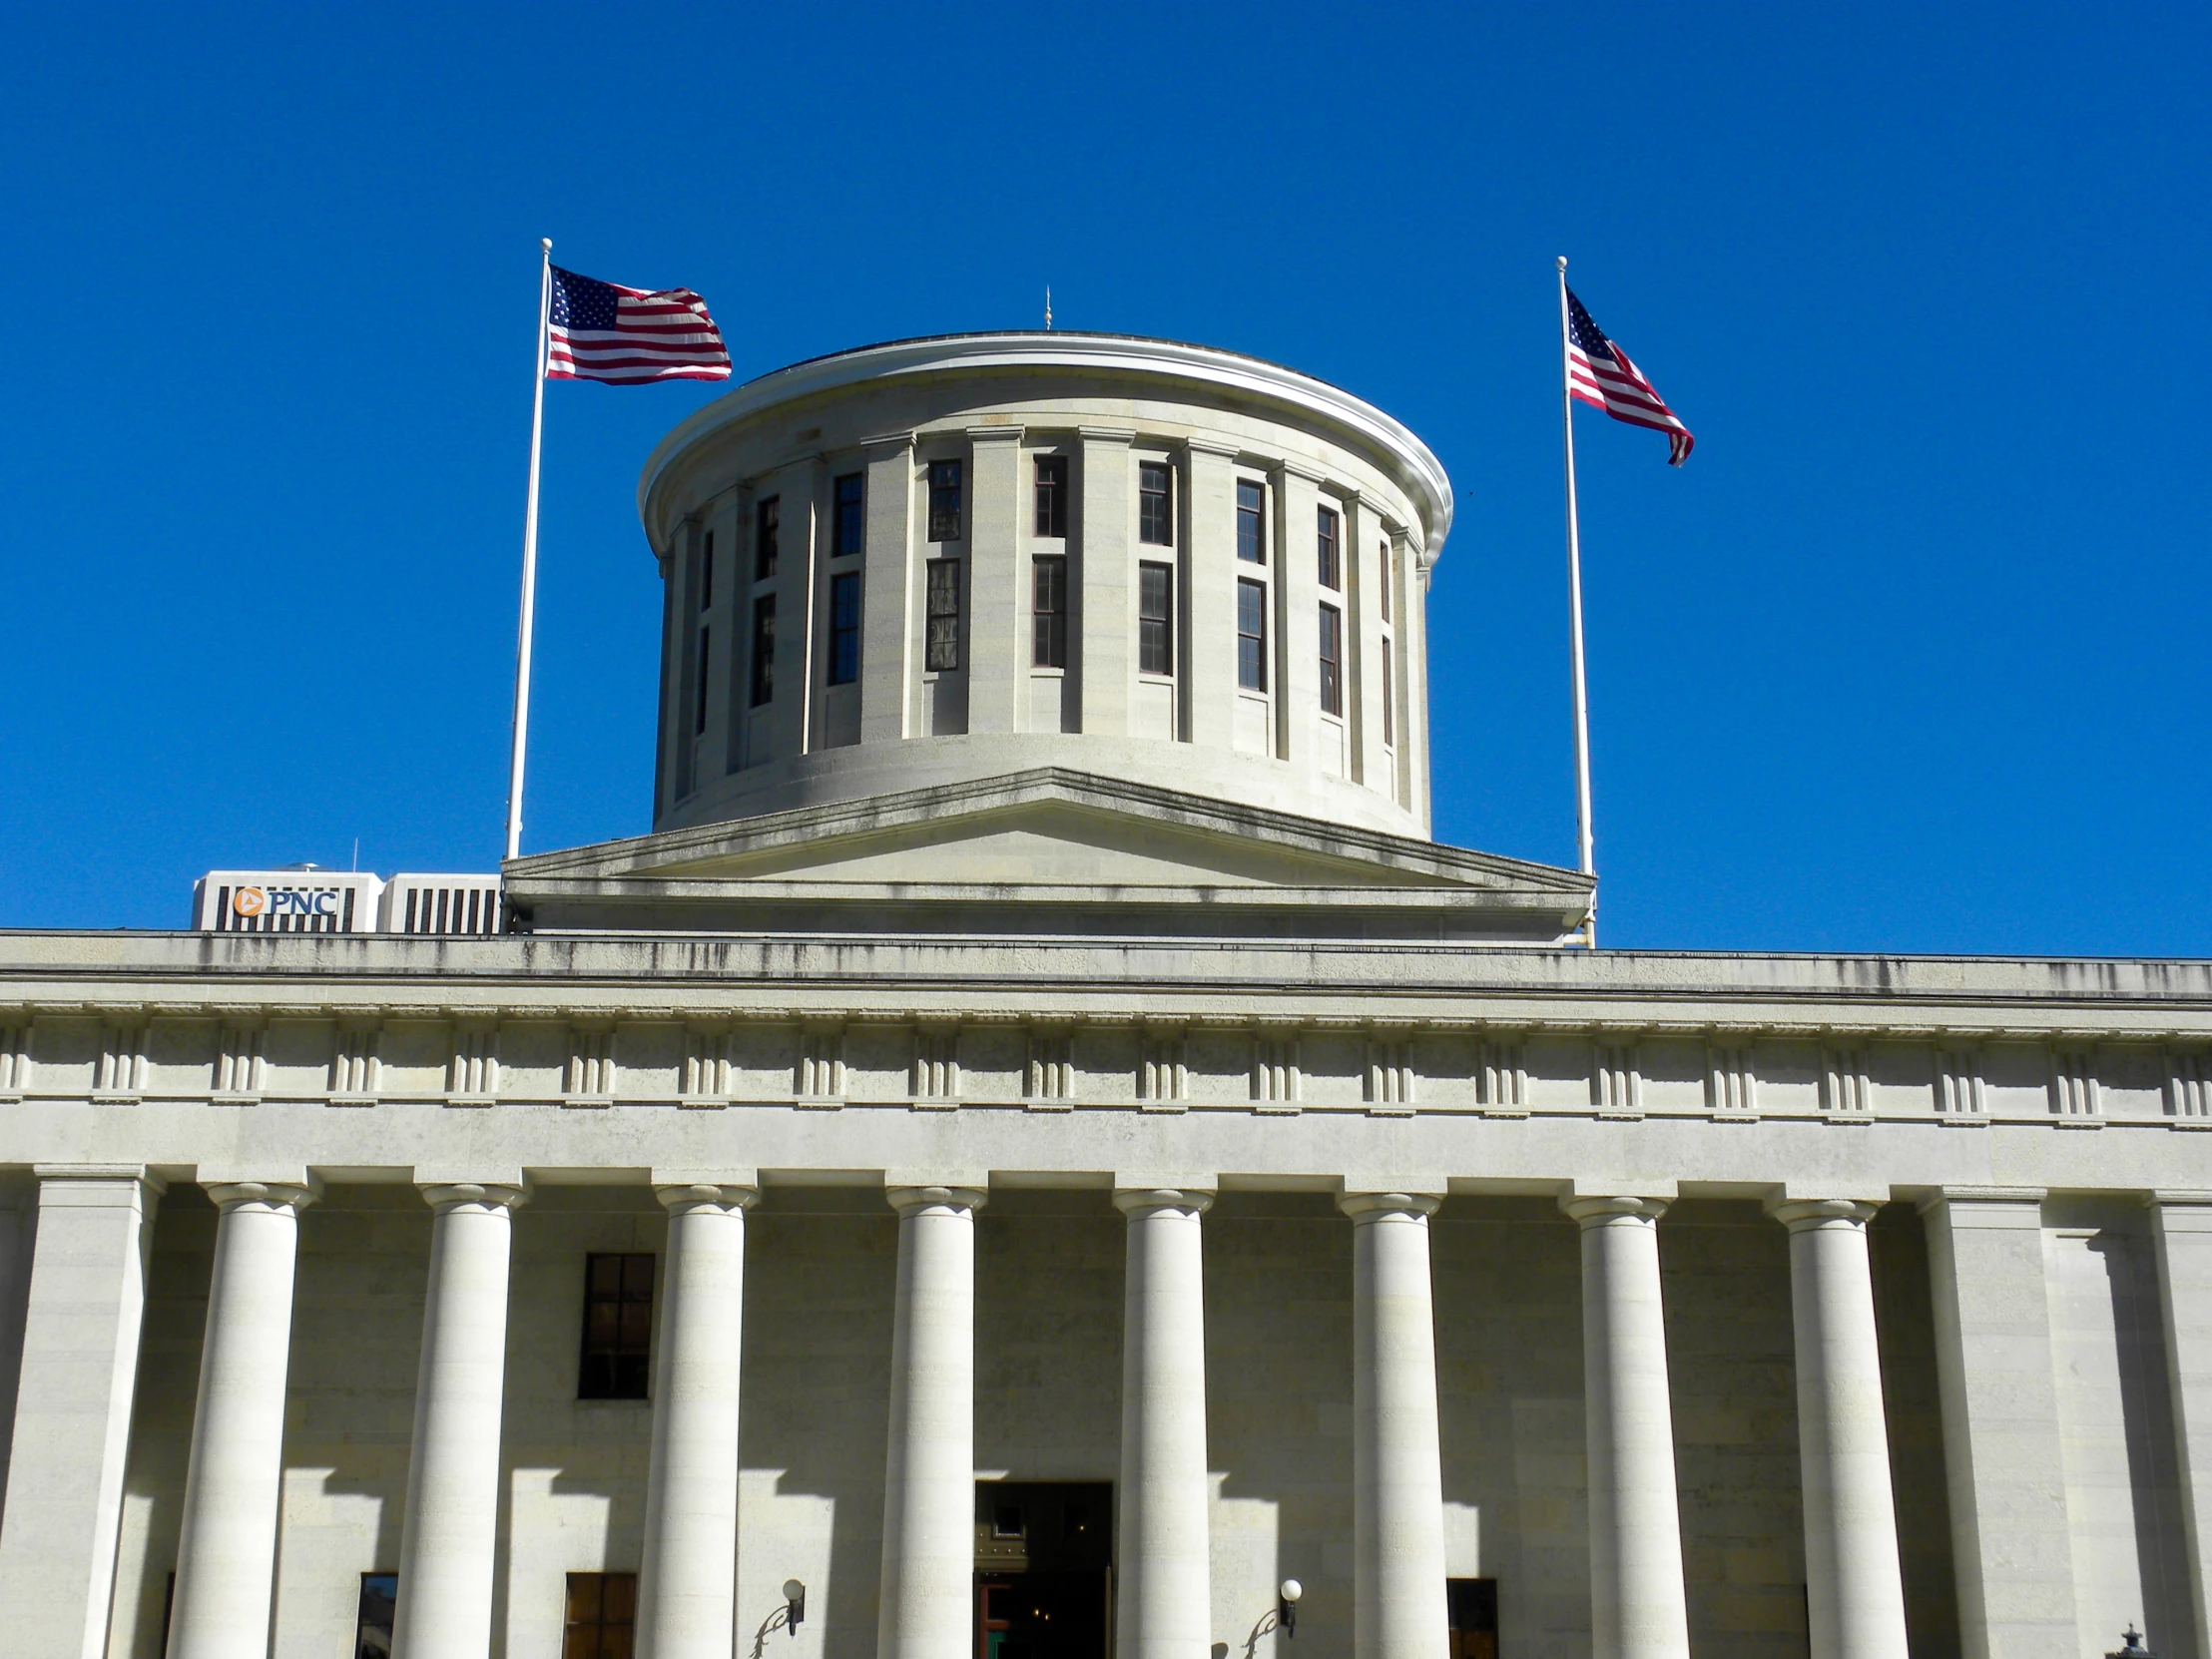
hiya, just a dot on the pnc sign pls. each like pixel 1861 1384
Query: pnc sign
pixel 284 902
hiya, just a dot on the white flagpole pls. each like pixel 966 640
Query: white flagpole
pixel 529 562
pixel 1574 607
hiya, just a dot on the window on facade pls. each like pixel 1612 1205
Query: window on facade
pixel 1155 506
pixel 1389 695
pixel 1053 495
pixel 767 522
pixel 618 1327
pixel 764 650
pixel 698 717
pixel 1155 619
pixel 1252 635
pixel 1329 549
pixel 1252 547
pixel 851 492
pixel 945 500
pixel 1383 564
pixel 1049 605
pixel 378 1611
pixel 1470 1612
pixel 845 628
pixel 943 646
pixel 601 1615
pixel 1332 660
pixel 707 573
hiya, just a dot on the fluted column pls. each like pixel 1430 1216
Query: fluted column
pixel 1161 1609
pixel 1637 1605
pixel 2181 1226
pixel 686 1584
pixel 449 1530
pixel 226 1553
pixel 1397 1478
pixel 929 1474
pixel 1854 1588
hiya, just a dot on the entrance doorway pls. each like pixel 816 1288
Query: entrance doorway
pixel 1044 1555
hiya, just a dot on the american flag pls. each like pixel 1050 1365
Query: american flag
pixel 1600 374
pixel 598 331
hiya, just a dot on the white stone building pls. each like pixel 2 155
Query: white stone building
pixel 1038 1147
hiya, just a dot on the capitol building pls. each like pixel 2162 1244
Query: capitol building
pixel 1039 1155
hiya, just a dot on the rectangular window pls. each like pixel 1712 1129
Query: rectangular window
pixel 707 573
pixel 601 1617
pixel 768 520
pixel 1049 603
pixel 945 500
pixel 1251 546
pixel 1470 1614
pixel 1389 695
pixel 1252 635
pixel 618 1327
pixel 944 649
pixel 845 628
pixel 764 650
pixel 850 526
pixel 1332 660
pixel 1332 555
pixel 378 1611
pixel 1383 563
pixel 1155 509
pixel 1155 619
pixel 699 717
pixel 1052 496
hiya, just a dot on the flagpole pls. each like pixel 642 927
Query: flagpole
pixel 529 561
pixel 1574 609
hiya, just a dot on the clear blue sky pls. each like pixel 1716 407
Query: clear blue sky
pixel 1912 654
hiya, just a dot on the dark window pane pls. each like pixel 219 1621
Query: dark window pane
pixel 1250 518
pixel 850 525
pixel 844 629
pixel 618 1327
pixel 1053 495
pixel 1252 635
pixel 699 720
pixel 945 500
pixel 1332 660
pixel 1389 695
pixel 1048 582
pixel 1383 564
pixel 374 1621
pixel 707 573
pixel 944 649
pixel 767 534
pixel 1331 557
pixel 764 650
pixel 1155 619
pixel 606 1276
pixel 1155 513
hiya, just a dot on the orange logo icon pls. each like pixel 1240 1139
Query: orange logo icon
pixel 248 901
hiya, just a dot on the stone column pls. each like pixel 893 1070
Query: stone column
pixel 450 1529
pixel 997 644
pixel 1164 1597
pixel 2004 1454
pixel 1397 1476
pixel 1637 1605
pixel 1100 579
pixel 686 1584
pixel 889 682
pixel 929 1474
pixel 1206 630
pixel 226 1553
pixel 2181 1224
pixel 73 1407
pixel 1854 1588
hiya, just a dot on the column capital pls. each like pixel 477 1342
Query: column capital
pixel 1591 1211
pixel 268 1195
pixel 1365 1207
pixel 923 1201
pixel 74 1183
pixel 681 1196
pixel 1799 1214
pixel 1137 1202
pixel 447 1197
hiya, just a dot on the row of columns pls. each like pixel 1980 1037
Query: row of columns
pixel 64 1480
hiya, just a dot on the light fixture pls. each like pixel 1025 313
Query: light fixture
pixel 2131 1645
pixel 794 1605
pixel 1286 1607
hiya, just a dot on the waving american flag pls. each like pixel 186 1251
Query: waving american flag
pixel 598 331
pixel 1600 374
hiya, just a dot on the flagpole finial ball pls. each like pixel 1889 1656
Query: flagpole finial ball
pixel 1562 264
pixel 546 243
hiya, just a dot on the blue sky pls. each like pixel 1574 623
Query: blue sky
pixel 1912 655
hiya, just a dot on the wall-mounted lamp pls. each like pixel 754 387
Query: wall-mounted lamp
pixel 2131 1645
pixel 1286 1607
pixel 788 1617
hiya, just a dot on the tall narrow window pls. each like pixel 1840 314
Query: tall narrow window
pixel 1252 635
pixel 1155 619
pixel 845 628
pixel 1052 496
pixel 1330 551
pixel 1251 523
pixel 945 500
pixel 1389 696
pixel 768 520
pixel 375 1613
pixel 618 1327
pixel 851 524
pixel 1470 1614
pixel 1049 605
pixel 1383 564
pixel 944 615
pixel 1155 504
pixel 707 573
pixel 764 650
pixel 1332 660
pixel 602 1614
pixel 699 716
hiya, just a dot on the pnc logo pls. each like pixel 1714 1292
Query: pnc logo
pixel 248 901
pixel 284 902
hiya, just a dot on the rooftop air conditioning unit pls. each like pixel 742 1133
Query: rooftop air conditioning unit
pixel 303 900
pixel 442 905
